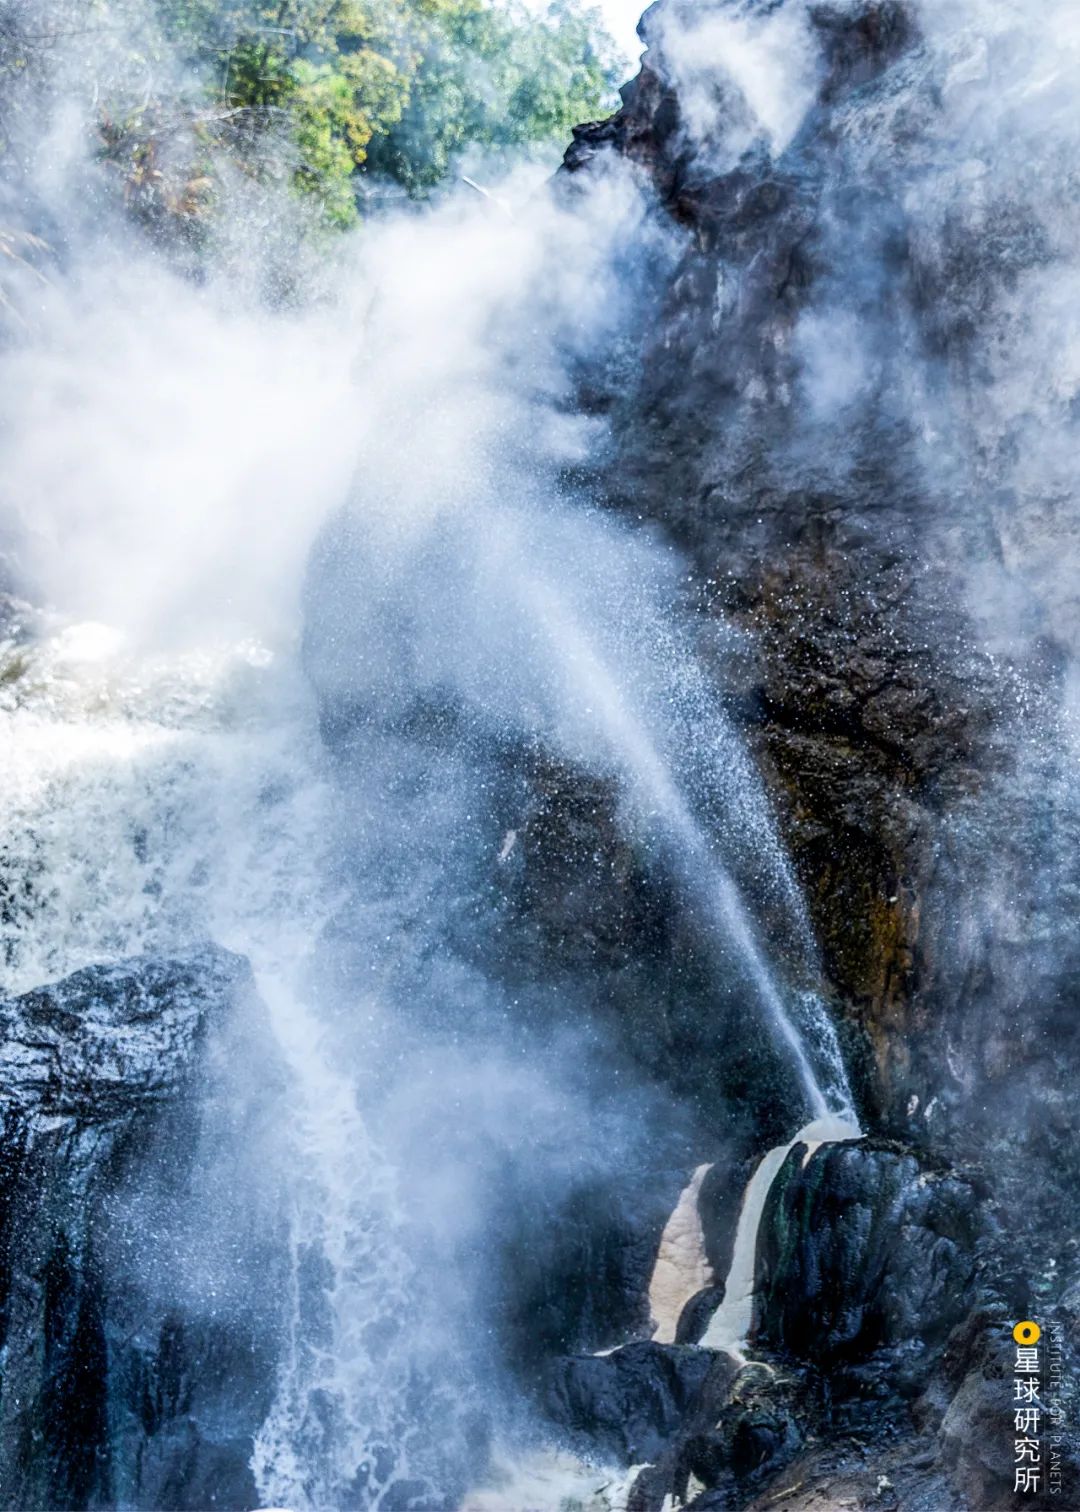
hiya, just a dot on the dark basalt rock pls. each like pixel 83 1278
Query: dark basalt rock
pixel 579 1279
pixel 758 1430
pixel 872 1264
pixel 911 748
pixel 858 43
pixel 868 1259
pixel 961 1410
pixel 693 1417
pixel 632 1404
pixel 123 1382
pixel 107 1042
pixel 913 757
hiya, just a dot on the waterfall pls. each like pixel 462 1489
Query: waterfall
pixel 150 803
pixel 168 798
pixel 528 682
pixel 542 624
pixel 171 800
pixel 682 1268
pixel 170 781
pixel 700 869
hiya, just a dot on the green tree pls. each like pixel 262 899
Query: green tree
pixel 326 75
pixel 395 87
pixel 494 76
pixel 320 93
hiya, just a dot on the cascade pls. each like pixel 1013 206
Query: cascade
pixel 168 800
pixel 161 797
pixel 700 869
pixel 192 784
pixel 682 1268
pixel 546 660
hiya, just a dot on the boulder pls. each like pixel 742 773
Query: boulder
pixel 135 1369
pixel 631 1405
pixel 867 1261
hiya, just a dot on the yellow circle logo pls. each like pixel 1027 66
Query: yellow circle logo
pixel 1027 1333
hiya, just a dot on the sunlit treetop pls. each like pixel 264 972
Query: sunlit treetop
pixel 394 89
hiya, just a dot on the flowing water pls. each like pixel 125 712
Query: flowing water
pixel 150 804
pixel 729 1326
pixel 701 871
pixel 329 602
pixel 155 802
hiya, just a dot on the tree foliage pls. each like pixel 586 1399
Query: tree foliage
pixel 394 88
pixel 494 76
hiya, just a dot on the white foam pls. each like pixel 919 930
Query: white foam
pixel 149 804
pixel 553 1481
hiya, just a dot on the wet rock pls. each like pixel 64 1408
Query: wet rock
pixel 974 1391
pixel 885 718
pixel 860 41
pixel 123 1382
pixel 107 1043
pixel 695 1316
pixel 756 1433
pixel 632 1404
pixel 975 1451
pixel 701 1423
pixel 910 745
pixel 576 1278
pixel 868 1259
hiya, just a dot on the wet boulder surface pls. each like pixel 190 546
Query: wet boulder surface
pixel 132 1372
pixel 634 1404
pixel 869 1258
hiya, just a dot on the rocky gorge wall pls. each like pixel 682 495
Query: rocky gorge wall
pixel 900 734
pixel 815 411
pixel 821 415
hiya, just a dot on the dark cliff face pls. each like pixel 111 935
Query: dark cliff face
pixel 810 410
pixel 815 416
pixel 806 421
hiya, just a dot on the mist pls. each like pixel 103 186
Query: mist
pixel 367 513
